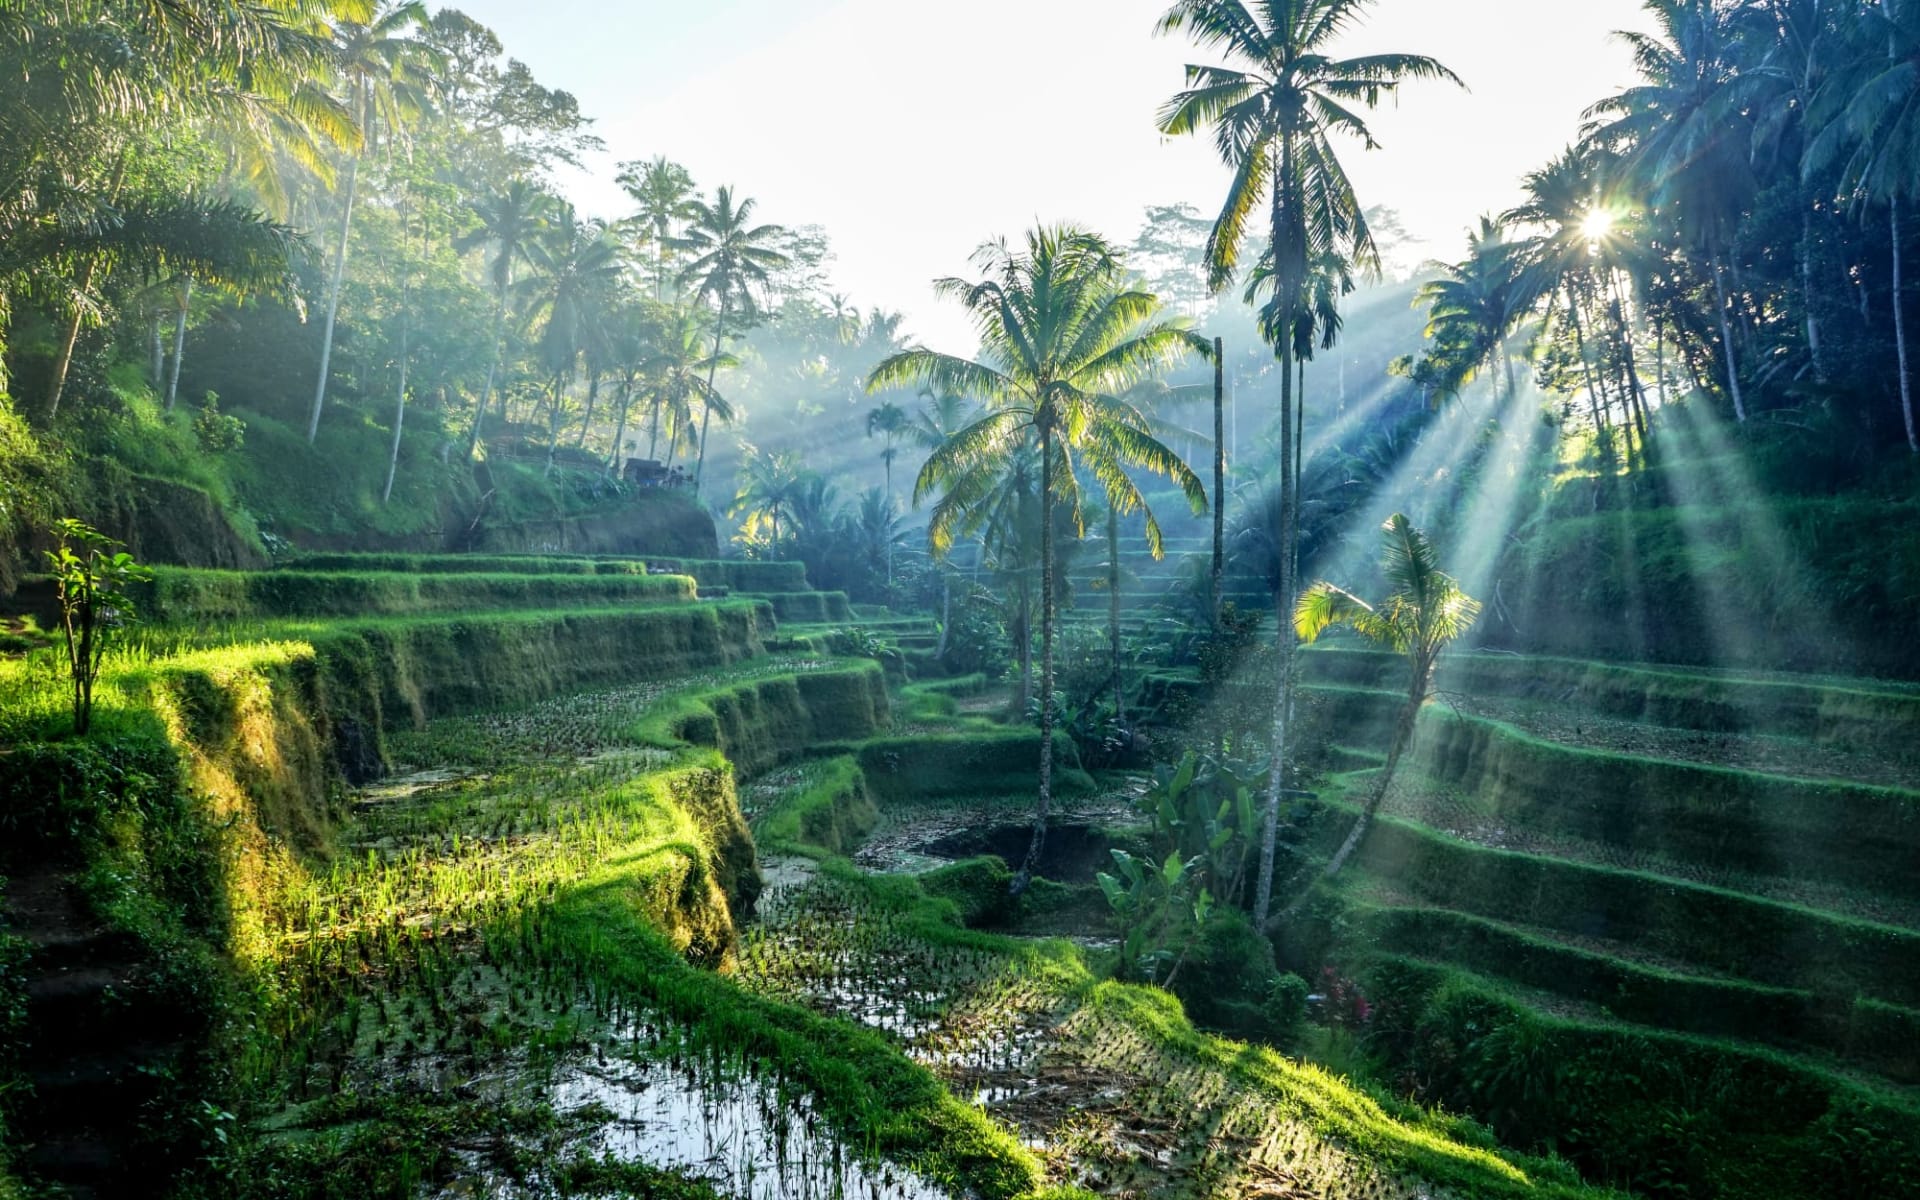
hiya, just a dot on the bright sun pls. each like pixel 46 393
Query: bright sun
pixel 1598 225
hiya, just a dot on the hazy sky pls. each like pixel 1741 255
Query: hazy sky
pixel 915 129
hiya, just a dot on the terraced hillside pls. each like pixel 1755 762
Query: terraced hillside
pixel 433 877
pixel 1662 921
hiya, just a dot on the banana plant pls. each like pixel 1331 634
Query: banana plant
pixel 1161 910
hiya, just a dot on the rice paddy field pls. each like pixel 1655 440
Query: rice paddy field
pixel 654 895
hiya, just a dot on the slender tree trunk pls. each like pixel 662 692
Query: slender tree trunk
pixel 1026 647
pixel 1586 368
pixel 1402 737
pixel 1113 609
pixel 1726 343
pixel 1043 802
pixel 620 426
pixel 156 357
pixel 706 409
pixel 179 344
pixel 1807 292
pixel 64 363
pixel 333 297
pixel 593 398
pixel 399 408
pixel 1900 331
pixel 1285 276
pixel 946 613
pixel 493 360
pixel 1218 577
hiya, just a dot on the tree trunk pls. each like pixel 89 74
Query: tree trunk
pixel 1402 737
pixel 1285 279
pixel 333 297
pixel 1218 576
pixel 156 357
pixel 620 426
pixel 1807 292
pixel 1026 648
pixel 64 363
pixel 1113 609
pixel 493 360
pixel 179 344
pixel 1900 332
pixel 706 407
pixel 593 397
pixel 399 408
pixel 946 613
pixel 1726 343
pixel 1043 802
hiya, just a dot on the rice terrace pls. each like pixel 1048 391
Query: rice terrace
pixel 1266 599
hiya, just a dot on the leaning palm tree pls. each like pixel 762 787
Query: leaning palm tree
pixel 731 256
pixel 1062 337
pixel 1424 612
pixel 1868 117
pixel 1273 112
pixel 1474 308
pixel 386 74
pixel 509 221
pixel 679 374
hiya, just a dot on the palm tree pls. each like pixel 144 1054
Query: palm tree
pixel 1684 134
pixel 679 374
pixel 1869 123
pixel 731 257
pixel 386 75
pixel 510 221
pixel 664 193
pixel 1474 307
pixel 1062 337
pixel 889 422
pixel 1273 113
pixel 1423 613
pixel 769 482
pixel 578 264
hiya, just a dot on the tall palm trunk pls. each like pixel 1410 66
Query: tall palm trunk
pixel 1043 803
pixel 399 406
pixel 620 426
pixel 593 397
pixel 493 360
pixel 1900 332
pixel 157 360
pixel 179 343
pixel 1726 342
pixel 1025 640
pixel 706 409
pixel 1286 279
pixel 333 294
pixel 1807 291
pixel 653 435
pixel 1218 577
pixel 1113 610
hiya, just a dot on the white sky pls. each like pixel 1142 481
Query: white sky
pixel 913 130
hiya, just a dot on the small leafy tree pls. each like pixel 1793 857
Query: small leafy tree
pixel 91 579
pixel 1425 611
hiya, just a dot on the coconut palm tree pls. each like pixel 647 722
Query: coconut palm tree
pixel 1475 307
pixel 578 265
pixel 769 482
pixel 1424 611
pixel 1274 111
pixel 664 194
pixel 1868 117
pixel 1062 338
pixel 510 221
pixel 1684 135
pixel 679 374
pixel 731 256
pixel 386 75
